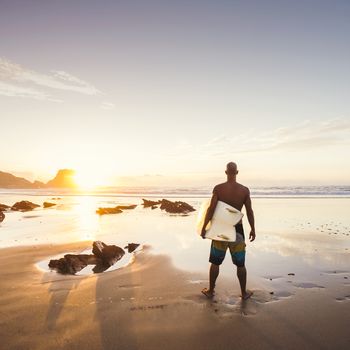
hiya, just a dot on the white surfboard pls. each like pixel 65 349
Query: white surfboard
pixel 221 227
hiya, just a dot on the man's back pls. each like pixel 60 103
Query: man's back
pixel 232 193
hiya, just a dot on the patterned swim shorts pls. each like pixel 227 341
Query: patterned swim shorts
pixel 237 250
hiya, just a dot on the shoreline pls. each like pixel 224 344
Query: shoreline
pixel 151 304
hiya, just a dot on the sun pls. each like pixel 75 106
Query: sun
pixel 88 179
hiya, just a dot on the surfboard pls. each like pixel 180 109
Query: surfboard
pixel 222 225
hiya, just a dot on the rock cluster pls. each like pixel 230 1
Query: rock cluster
pixel 24 206
pixel 115 210
pixel 103 256
pixel 103 211
pixel 4 207
pixel 176 207
pixel 48 204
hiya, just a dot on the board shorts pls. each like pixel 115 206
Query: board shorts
pixel 237 250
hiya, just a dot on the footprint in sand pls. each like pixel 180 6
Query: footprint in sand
pixel 307 285
pixel 344 298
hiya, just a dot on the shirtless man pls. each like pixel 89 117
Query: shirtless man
pixel 236 195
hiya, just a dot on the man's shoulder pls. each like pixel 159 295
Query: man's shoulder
pixel 243 188
pixel 218 186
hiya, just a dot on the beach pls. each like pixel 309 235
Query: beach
pixel 298 270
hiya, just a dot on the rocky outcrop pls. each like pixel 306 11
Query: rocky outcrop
pixel 24 206
pixel 131 247
pixel 103 211
pixel 109 254
pixel 148 203
pixel 126 207
pixel 176 207
pixel 63 179
pixel 71 264
pixel 115 210
pixel 2 216
pixel 48 204
pixel 103 257
pixel 4 207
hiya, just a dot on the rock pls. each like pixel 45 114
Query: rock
pixel 177 207
pixel 102 211
pixel 4 207
pixel 56 198
pixel 154 207
pixel 109 254
pixel 126 207
pixel 24 206
pixel 103 257
pixel 2 216
pixel 48 204
pixel 291 274
pixel 72 263
pixel 147 203
pixel 131 247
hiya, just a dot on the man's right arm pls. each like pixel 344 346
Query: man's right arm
pixel 250 216
pixel 210 212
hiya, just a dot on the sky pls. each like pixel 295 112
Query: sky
pixel 167 92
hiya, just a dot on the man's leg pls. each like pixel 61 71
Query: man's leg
pixel 213 275
pixel 238 258
pixel 217 255
pixel 242 277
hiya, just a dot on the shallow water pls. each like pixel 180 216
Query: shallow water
pixel 308 237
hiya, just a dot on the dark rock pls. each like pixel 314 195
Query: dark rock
pixel 102 211
pixel 147 203
pixel 48 204
pixel 154 207
pixel 126 207
pixel 56 198
pixel 4 207
pixel 103 257
pixel 291 274
pixel 131 247
pixel 109 254
pixel 24 206
pixel 177 207
pixel 72 263
pixel 2 216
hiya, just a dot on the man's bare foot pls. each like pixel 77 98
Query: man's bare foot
pixel 208 293
pixel 246 295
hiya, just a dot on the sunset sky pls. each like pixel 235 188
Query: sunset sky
pixel 167 92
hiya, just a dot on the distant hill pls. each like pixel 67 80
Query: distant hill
pixel 8 180
pixel 63 179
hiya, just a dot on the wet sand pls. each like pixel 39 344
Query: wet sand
pixel 150 304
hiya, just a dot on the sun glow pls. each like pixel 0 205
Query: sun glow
pixel 90 179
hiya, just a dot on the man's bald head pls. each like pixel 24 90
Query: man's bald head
pixel 231 168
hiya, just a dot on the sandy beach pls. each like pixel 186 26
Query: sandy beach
pixel 150 304
pixel 297 269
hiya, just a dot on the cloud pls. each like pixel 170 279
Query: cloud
pixel 58 80
pixel 107 105
pixel 301 137
pixel 19 91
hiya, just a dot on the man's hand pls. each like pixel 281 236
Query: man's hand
pixel 203 233
pixel 252 235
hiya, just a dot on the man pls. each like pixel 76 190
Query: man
pixel 236 195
